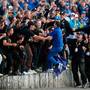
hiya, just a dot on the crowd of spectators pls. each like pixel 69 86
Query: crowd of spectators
pixel 24 26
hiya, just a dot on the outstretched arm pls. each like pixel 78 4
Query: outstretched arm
pixel 38 38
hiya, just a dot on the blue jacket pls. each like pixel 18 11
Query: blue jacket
pixel 57 38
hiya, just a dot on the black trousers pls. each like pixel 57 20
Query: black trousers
pixel 87 67
pixel 78 65
pixel 9 54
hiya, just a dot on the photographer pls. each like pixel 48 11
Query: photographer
pixel 78 61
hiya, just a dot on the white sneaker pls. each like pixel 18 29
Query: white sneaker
pixel 39 69
pixel 79 86
pixel 1 74
pixel 25 73
pixel 50 70
pixel 85 85
pixel 32 72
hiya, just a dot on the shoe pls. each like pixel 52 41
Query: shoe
pixel 85 85
pixel 10 72
pixel 34 72
pixel 50 70
pixel 25 73
pixel 89 84
pixel 17 73
pixel 31 72
pixel 78 86
pixel 38 69
pixel 1 74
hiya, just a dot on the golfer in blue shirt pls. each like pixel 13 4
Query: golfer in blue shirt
pixel 57 44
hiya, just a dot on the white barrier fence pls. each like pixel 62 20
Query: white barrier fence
pixel 39 80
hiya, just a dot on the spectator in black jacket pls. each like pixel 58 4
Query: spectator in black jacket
pixel 78 61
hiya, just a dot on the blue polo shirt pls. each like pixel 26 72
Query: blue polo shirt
pixel 57 38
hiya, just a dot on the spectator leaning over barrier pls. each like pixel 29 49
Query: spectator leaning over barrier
pixel 8 47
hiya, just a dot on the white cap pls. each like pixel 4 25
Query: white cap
pixel 10 7
pixel 76 15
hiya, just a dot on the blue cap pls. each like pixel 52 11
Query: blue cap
pixel 57 18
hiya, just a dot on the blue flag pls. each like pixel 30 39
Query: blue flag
pixel 62 65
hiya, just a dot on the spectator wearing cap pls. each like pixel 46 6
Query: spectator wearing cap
pixel 57 17
pixel 85 23
pixel 76 22
pixel 72 19
pixel 84 19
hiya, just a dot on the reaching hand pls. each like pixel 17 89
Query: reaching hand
pixel 14 44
